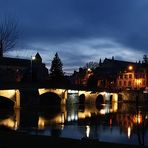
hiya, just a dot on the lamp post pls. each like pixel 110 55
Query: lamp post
pixel 31 66
pixel 130 67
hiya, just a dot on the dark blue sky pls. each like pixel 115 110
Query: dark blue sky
pixel 79 30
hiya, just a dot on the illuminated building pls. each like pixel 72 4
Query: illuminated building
pixel 116 74
pixel 81 77
pixel 133 77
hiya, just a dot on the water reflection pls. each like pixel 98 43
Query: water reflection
pixel 112 122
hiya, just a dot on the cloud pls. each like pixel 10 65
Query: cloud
pixel 80 30
pixel 76 54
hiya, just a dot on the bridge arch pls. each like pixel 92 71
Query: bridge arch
pixel 49 98
pixel 12 95
pixel 100 100
pixel 62 93
pixel 111 98
pixel 120 97
pixel 6 102
pixel 82 99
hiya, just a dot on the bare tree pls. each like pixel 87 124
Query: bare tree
pixel 8 35
pixel 91 65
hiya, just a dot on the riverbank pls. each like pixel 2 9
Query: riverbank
pixel 23 140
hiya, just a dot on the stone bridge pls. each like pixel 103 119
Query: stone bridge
pixel 65 95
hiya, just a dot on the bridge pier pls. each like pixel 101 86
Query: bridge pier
pixel 64 97
pixel 29 97
pixel 17 97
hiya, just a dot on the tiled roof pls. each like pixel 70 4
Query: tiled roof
pixel 118 63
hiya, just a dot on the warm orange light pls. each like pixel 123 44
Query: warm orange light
pixel 89 70
pixel 8 93
pixel 8 123
pixel 130 67
pixel 83 115
pixel 138 82
pixel 137 118
pixel 41 123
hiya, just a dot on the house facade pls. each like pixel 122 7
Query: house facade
pixel 115 74
pixel 134 77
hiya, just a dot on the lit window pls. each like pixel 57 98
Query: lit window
pixel 125 83
pixel 130 76
pixel 121 76
pixel 125 76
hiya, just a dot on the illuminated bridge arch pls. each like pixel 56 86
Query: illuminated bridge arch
pixel 6 102
pixel 10 97
pixel 49 98
pixel 100 99
pixel 107 97
pixel 82 99
pixel 62 93
pixel 92 97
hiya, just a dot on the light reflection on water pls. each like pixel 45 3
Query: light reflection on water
pixel 119 123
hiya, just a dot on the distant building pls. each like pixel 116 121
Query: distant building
pixel 134 77
pixel 39 70
pixel 107 73
pixel 17 70
pixel 118 74
pixel 114 74
pixel 81 77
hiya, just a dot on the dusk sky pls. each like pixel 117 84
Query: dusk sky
pixel 79 30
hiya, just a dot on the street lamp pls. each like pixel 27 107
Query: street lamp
pixel 130 67
pixel 32 59
pixel 89 70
